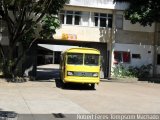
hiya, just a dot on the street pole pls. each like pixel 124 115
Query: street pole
pixel 155 50
pixel 111 44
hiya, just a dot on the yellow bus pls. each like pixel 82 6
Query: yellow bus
pixel 80 65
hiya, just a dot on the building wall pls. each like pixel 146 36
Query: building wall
pixel 99 4
pixel 129 33
pixel 134 37
pixel 85 33
pixel 127 25
pixel 89 9
pixel 145 51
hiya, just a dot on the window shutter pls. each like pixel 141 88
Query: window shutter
pixel 126 56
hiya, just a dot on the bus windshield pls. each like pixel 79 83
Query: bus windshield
pixel 75 58
pixel 91 59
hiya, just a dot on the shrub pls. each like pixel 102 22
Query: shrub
pixel 139 72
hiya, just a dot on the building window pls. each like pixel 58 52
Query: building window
pixel 96 16
pixel 121 56
pixel 74 18
pixel 119 21
pixel 82 18
pixel 77 18
pixel 158 59
pixel 102 20
pixel 136 56
pixel 69 17
pixel 110 16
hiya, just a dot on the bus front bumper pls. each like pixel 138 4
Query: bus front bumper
pixel 81 80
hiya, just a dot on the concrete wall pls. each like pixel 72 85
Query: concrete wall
pixel 130 33
pixel 89 9
pixel 85 33
pixel 134 37
pixel 99 4
pixel 143 50
pixel 127 25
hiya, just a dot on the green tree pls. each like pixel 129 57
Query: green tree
pixel 23 18
pixel 144 12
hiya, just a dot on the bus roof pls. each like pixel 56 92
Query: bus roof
pixel 82 50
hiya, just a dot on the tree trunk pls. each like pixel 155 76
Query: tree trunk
pixel 10 62
pixel 2 53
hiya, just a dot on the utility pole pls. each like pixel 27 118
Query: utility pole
pixel 155 45
pixel 111 43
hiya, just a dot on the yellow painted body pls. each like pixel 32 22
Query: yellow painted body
pixel 80 68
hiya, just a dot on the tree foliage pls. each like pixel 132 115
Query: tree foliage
pixel 49 25
pixel 23 17
pixel 144 12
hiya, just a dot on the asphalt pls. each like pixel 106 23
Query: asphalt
pixel 47 99
pixel 44 97
pixel 35 98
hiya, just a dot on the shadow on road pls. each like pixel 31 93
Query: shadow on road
pixel 72 86
pixel 46 74
pixel 8 115
pixel 53 75
pixel 150 80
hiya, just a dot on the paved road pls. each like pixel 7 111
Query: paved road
pixel 112 97
pixel 109 97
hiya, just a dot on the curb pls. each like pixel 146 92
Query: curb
pixel 132 80
pixel 123 80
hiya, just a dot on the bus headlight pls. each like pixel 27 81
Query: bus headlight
pixel 69 73
pixel 95 74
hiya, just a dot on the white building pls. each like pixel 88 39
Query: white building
pixel 103 22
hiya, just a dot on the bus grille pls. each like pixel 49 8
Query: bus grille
pixel 83 74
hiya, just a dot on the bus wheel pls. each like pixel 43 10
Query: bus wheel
pixel 63 85
pixel 93 86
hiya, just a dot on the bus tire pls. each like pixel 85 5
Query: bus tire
pixel 93 86
pixel 63 85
